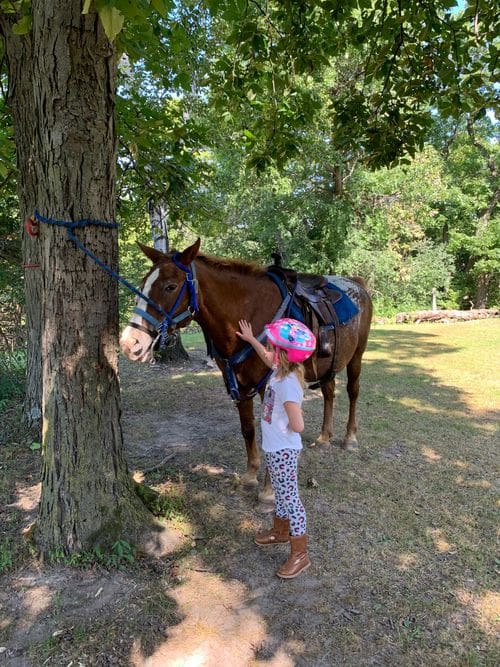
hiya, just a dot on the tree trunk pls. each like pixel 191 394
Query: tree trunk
pixel 482 290
pixel 19 52
pixel 158 219
pixel 87 495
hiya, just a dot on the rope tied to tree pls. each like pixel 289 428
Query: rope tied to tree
pixel 168 319
pixel 79 224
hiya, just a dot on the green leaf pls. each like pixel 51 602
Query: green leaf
pixel 34 446
pixel 86 6
pixel 23 26
pixel 112 21
pixel 160 6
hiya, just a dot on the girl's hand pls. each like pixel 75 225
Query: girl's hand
pixel 246 331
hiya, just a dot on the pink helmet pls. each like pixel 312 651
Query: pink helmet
pixel 292 336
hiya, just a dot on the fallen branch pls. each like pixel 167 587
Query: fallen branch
pixel 447 315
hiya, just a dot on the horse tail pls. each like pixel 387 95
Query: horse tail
pixel 361 281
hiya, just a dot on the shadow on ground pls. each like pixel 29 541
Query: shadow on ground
pixel 402 534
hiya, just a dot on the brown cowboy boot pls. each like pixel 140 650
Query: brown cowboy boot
pixel 278 534
pixel 298 560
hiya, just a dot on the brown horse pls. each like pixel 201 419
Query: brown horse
pixel 217 293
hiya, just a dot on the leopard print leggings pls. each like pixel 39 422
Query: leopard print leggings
pixel 283 470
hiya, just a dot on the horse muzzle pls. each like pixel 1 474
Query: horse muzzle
pixel 136 345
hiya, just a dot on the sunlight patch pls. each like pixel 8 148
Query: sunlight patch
pixel 431 455
pixel 407 561
pixel 181 376
pixel 35 601
pixel 486 608
pixel 441 544
pixel 473 483
pixel 27 497
pixel 218 627
pixel 217 511
pixel 208 469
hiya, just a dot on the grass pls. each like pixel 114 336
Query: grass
pixel 405 567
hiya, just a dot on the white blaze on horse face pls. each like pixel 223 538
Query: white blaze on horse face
pixel 136 344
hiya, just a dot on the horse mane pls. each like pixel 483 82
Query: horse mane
pixel 239 266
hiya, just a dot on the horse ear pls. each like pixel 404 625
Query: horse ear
pixel 151 253
pixel 187 255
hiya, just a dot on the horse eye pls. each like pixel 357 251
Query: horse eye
pixel 170 287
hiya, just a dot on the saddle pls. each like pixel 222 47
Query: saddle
pixel 315 299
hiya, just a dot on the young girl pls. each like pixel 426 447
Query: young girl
pixel 289 344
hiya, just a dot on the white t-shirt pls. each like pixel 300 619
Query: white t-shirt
pixel 276 433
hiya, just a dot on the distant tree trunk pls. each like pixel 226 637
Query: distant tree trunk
pixel 88 496
pixel 486 215
pixel 158 217
pixel 19 52
pixel 482 290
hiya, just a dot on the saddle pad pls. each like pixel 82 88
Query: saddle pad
pixel 345 307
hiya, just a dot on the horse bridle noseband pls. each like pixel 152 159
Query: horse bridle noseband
pixel 169 319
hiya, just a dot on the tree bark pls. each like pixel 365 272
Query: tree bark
pixel 88 496
pixel 19 54
pixel 158 221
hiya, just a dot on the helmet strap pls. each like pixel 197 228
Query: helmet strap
pixel 276 360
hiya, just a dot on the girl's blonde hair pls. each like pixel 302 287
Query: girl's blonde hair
pixel 286 367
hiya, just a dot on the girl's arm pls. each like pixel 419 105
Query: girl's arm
pixel 295 416
pixel 246 334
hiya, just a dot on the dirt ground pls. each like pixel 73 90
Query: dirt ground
pixel 402 538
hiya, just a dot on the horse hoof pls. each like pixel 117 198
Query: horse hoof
pixel 264 508
pixel 249 481
pixel 350 444
pixel 320 442
pixel 266 498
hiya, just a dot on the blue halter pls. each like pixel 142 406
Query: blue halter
pixel 169 318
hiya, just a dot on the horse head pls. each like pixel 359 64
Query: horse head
pixel 167 302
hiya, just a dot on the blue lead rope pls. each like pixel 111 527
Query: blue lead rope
pixel 71 226
pixel 168 319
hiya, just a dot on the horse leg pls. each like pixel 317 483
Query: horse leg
pixel 328 391
pixel 266 496
pixel 353 372
pixel 247 422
